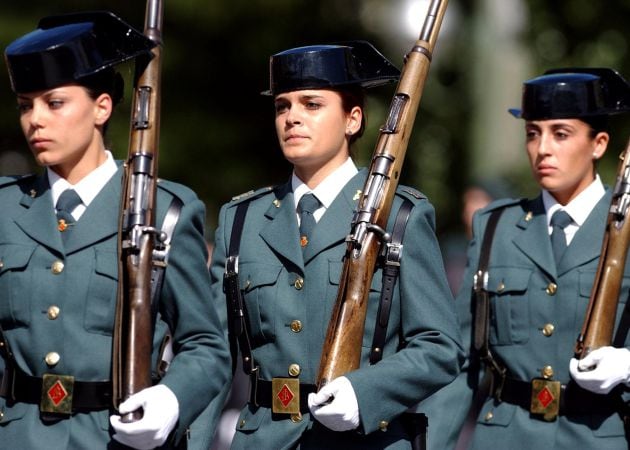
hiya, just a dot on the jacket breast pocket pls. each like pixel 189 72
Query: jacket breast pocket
pixel 100 307
pixel 509 320
pixel 259 285
pixel 15 285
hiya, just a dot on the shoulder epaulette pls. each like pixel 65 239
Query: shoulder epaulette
pixel 410 193
pixel 251 194
pixel 13 179
pixel 501 203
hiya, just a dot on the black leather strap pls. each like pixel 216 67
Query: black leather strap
pixel 237 315
pixel 391 269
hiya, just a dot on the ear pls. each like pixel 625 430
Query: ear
pixel 600 144
pixel 103 106
pixel 353 120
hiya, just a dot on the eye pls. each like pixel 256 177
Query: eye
pixel 313 105
pixel 281 107
pixel 24 107
pixel 531 134
pixel 55 104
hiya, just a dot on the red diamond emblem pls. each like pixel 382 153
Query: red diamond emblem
pixel 285 395
pixel 545 397
pixel 57 393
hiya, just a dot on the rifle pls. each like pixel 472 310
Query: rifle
pixel 599 321
pixel 138 238
pixel 342 347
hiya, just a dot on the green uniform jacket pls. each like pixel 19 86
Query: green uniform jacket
pixel 85 293
pixel 422 351
pixel 527 293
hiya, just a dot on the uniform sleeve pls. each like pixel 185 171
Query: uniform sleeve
pixel 432 354
pixel 200 370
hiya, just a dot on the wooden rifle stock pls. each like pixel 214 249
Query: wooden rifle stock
pixel 138 238
pixel 342 348
pixel 599 322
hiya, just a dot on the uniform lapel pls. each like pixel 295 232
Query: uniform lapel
pixel 533 240
pixel 100 219
pixel 334 225
pixel 281 231
pixel 39 221
pixel 587 242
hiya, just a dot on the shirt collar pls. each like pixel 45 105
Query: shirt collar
pixel 329 188
pixel 89 187
pixel 581 206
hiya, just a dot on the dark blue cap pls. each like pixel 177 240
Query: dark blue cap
pixel 574 93
pixel 65 48
pixel 329 67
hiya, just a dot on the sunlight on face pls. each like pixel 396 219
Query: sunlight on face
pixel 562 154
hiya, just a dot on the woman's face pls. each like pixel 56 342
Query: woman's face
pixel 313 130
pixel 63 128
pixel 562 155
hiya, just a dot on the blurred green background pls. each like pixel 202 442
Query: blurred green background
pixel 217 132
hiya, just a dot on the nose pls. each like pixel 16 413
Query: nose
pixel 292 118
pixel 35 115
pixel 544 144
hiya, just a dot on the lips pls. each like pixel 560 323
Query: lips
pixel 39 142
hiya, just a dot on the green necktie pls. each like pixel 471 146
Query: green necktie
pixel 307 205
pixel 559 221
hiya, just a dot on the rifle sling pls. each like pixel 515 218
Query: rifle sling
pixel 237 326
pixel 391 269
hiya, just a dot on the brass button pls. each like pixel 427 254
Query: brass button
pixel 295 418
pixel 547 372
pixel 57 267
pixel 276 203
pixel 294 370
pixel 1 415
pixel 488 417
pixel 552 288
pixel 296 326
pixel 53 312
pixel 1 264
pixel 52 359
pixel 299 283
pixel 382 425
pixel 241 423
pixel 548 329
pixel 501 287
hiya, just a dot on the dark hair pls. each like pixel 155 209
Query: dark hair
pixel 106 81
pixel 597 124
pixel 350 97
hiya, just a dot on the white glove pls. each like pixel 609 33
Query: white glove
pixel 160 413
pixel 602 369
pixel 342 413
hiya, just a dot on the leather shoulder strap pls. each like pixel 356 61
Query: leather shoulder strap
pixel 391 269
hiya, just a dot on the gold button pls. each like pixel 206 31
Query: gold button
pixel 57 267
pixel 501 287
pixel 547 372
pixel 276 203
pixel 53 312
pixel 547 330
pixel 242 423
pixel 1 415
pixel 299 283
pixel 1 264
pixel 295 418
pixel 294 370
pixel 488 417
pixel 529 216
pixel 52 359
pixel 382 425
pixel 552 288
pixel 296 326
